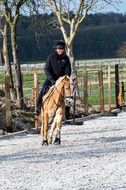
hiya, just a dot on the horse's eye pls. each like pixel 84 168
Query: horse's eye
pixel 67 88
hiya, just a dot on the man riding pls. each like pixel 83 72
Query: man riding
pixel 57 65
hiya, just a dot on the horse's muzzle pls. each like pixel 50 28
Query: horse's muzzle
pixel 70 101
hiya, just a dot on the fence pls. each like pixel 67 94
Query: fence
pixel 110 83
pixel 92 67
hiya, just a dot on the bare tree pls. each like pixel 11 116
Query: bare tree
pixel 11 11
pixel 62 9
pixel 5 51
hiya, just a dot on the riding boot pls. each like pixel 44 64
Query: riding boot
pixel 68 114
pixel 39 105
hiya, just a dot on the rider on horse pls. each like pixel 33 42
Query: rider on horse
pixel 57 65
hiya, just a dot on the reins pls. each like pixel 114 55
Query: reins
pixel 48 96
pixel 64 98
pixel 58 105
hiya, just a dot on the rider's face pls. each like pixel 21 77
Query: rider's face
pixel 60 51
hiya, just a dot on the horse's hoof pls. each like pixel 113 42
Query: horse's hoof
pixel 45 142
pixel 57 141
pixel 49 140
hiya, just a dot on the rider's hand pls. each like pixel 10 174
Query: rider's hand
pixel 52 81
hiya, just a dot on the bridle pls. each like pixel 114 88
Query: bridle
pixel 65 98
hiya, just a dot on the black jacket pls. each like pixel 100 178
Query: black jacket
pixel 57 66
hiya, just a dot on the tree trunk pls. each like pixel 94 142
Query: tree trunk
pixel 8 71
pixel 69 52
pixel 8 105
pixel 1 62
pixel 19 88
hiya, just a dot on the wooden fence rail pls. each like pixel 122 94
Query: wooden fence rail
pixel 85 93
pixel 94 80
pixel 100 77
pixel 36 96
pixel 119 94
pixel 117 84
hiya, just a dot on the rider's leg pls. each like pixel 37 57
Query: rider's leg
pixel 39 104
pixel 68 115
pixel 39 100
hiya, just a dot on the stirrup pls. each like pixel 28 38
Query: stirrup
pixel 37 112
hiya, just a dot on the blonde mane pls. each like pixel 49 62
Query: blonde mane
pixel 60 80
pixel 51 90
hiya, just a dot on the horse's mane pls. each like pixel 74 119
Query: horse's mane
pixel 51 90
pixel 60 80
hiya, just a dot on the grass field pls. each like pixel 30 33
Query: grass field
pixel 93 84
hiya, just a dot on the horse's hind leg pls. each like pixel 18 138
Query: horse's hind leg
pixel 42 130
pixel 45 129
pixel 53 126
pixel 42 126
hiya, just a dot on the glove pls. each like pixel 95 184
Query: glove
pixel 52 81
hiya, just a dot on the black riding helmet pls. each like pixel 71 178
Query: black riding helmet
pixel 59 45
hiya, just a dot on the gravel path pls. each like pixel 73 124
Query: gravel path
pixel 91 156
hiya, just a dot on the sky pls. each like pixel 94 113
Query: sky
pixel 102 7
pixel 121 8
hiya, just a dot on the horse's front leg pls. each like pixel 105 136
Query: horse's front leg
pixel 53 126
pixel 58 129
pixel 45 128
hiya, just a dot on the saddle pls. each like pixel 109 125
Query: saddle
pixel 46 90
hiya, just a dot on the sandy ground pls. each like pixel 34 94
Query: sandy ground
pixel 91 156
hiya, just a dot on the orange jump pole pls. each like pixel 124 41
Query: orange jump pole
pixel 36 95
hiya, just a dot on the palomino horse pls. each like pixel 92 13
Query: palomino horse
pixel 53 108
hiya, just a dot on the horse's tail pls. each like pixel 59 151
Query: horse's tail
pixel 42 130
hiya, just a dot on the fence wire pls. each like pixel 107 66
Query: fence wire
pixel 92 68
pixel 93 82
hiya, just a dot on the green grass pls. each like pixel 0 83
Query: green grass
pixel 93 94
pixel 2 78
pixel 93 86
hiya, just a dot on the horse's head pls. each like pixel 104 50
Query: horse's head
pixel 63 87
pixel 67 89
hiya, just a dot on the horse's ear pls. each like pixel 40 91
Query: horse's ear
pixel 74 78
pixel 66 77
